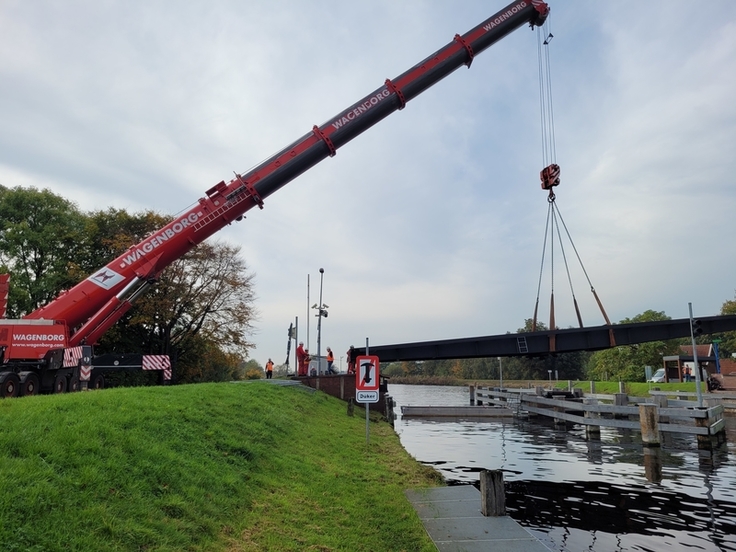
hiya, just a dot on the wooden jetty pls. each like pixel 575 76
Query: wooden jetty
pixel 453 519
pixel 456 412
pixel 651 415
pixel 669 412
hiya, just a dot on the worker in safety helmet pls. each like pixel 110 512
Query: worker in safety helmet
pixel 301 360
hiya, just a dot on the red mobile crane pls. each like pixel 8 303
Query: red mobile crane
pixel 50 349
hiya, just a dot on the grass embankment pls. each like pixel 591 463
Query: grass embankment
pixel 635 389
pixel 235 467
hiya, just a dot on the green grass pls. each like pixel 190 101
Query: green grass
pixel 236 467
pixel 635 389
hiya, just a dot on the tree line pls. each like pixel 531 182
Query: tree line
pixel 201 311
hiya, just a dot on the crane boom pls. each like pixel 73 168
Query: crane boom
pixel 96 303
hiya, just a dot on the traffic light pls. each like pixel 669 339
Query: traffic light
pixel 697 327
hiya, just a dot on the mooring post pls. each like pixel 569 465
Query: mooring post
pixel 653 464
pixel 704 441
pixel 661 402
pixel 592 430
pixel 620 399
pixel 649 425
pixel 472 395
pixel 351 406
pixel 492 495
pixel 592 387
pixel 621 387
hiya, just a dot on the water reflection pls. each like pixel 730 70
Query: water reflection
pixel 576 493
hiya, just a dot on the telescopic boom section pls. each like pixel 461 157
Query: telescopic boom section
pixel 97 298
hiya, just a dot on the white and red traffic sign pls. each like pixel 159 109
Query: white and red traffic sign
pixel 366 379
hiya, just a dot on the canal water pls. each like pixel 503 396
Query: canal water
pixel 574 494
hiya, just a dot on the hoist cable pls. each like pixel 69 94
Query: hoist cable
pixel 567 266
pixel 549 152
pixel 541 268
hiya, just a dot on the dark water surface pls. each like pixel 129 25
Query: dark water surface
pixel 574 494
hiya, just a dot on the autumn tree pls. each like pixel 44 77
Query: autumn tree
pixel 206 295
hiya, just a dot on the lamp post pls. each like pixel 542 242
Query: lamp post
pixel 322 312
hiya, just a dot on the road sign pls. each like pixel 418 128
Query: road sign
pixel 366 396
pixel 366 379
pixel 366 373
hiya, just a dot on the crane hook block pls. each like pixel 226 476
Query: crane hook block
pixel 550 176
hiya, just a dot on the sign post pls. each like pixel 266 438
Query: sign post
pixel 366 384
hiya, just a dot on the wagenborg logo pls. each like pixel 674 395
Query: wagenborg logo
pixel 106 278
pixel 160 238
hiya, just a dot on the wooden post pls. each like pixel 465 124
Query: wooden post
pixel 661 402
pixel 592 431
pixel 569 385
pixel 592 387
pixel 472 395
pixel 560 422
pixel 649 425
pixel 620 399
pixel 492 495
pixel 653 464
pixel 704 441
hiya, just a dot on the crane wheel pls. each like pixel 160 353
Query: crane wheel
pixel 97 382
pixel 9 384
pixel 29 385
pixel 60 383
pixel 74 384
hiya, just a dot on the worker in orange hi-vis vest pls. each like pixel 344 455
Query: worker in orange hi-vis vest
pixel 269 369
pixel 330 362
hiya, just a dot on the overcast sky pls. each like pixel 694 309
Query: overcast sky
pixel 431 224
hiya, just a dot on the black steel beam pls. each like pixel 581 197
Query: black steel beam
pixel 549 342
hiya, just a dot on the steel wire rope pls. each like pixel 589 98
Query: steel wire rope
pixel 555 216
pixel 541 267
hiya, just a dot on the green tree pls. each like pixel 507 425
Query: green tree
pixel 627 363
pixel 201 312
pixel 728 339
pixel 40 234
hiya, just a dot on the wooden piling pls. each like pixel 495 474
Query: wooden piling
pixel 472 395
pixel 492 495
pixel 653 464
pixel 648 419
pixel 592 431
pixel 620 399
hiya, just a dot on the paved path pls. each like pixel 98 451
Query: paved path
pixel 455 523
